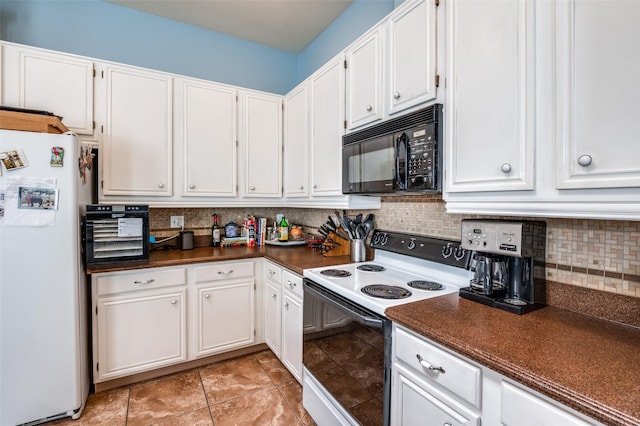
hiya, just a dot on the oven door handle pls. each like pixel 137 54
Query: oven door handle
pixel 344 305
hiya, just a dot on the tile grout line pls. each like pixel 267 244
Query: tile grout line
pixel 279 391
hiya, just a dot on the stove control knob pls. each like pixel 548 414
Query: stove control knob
pixel 412 244
pixel 447 250
pixel 459 253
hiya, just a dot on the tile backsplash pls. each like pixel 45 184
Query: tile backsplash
pixel 596 254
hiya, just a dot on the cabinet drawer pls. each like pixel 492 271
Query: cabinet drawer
pixel 272 272
pixel 223 271
pixel 292 282
pixel 522 408
pixel 456 375
pixel 145 279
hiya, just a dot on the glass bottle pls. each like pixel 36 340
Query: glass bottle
pixel 283 227
pixel 215 232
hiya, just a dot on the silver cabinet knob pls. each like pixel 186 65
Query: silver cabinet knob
pixel 286 304
pixel 369 108
pixel 505 168
pixel 161 185
pixel 301 187
pixel 291 284
pixel 585 160
pixel 174 301
pixel 274 295
pixel 396 95
pixel 192 186
pixel 253 188
pixel 207 295
pixel 315 186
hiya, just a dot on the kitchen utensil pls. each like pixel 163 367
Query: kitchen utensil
pixel 331 222
pixel 368 227
pixel 345 223
pixel 340 232
pixel 369 217
pixel 358 219
pixel 360 231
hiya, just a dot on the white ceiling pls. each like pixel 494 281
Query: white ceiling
pixel 284 24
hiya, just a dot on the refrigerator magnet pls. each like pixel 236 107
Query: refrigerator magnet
pixel 13 160
pixel 57 154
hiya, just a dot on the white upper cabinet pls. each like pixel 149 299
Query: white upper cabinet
pixel 490 101
pixel 597 92
pixel 412 55
pixel 327 118
pixel 138 132
pixel 261 137
pixel 541 108
pixel 206 128
pixel 57 83
pixel 296 142
pixel 364 79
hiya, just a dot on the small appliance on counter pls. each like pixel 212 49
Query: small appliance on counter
pixel 505 254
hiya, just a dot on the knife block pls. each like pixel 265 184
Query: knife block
pixel 333 249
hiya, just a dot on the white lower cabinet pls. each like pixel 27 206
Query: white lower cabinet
pixel 283 317
pixel 139 321
pixel 224 293
pixel 435 386
pixel 156 317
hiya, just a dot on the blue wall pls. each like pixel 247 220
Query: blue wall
pixel 111 32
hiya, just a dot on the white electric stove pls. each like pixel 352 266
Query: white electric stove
pixel 347 350
pixel 406 268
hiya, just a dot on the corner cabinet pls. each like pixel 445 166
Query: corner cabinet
pixel 261 144
pixel 138 132
pixel 326 89
pixel 527 133
pixel 43 80
pixel 430 381
pixel 296 142
pixel 283 317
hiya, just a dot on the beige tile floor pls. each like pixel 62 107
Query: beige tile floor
pixel 254 389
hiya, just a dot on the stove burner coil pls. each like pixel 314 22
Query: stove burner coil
pixel 339 273
pixel 371 267
pixel 385 291
pixel 425 285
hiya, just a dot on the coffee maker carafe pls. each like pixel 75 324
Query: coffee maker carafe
pixel 505 254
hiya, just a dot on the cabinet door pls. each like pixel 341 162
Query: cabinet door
pixel 139 332
pixel 327 128
pixel 292 334
pixel 207 127
pixel 225 316
pixel 271 311
pixel 490 122
pixel 61 84
pixel 597 91
pixel 412 54
pixel 138 133
pixel 364 80
pixel 262 141
pixel 296 142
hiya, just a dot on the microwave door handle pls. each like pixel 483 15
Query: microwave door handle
pixel 401 153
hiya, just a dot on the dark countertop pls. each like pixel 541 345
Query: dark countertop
pixel 293 258
pixel 586 363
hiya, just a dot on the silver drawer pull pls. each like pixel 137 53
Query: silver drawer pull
pixel 585 160
pixel 207 295
pixel 428 366
pixel 145 281
pixel 230 271
pixel 174 301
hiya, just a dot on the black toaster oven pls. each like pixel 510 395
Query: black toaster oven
pixel 115 234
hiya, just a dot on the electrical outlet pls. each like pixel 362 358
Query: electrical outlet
pixel 177 221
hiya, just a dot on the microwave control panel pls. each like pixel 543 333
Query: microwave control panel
pixel 421 146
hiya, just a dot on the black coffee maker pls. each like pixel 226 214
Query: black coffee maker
pixel 507 263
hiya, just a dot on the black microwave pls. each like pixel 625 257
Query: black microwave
pixel 116 234
pixel 402 155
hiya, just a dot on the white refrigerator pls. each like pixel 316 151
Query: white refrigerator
pixel 44 354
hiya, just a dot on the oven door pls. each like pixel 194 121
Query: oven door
pixel 347 352
pixel 376 165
